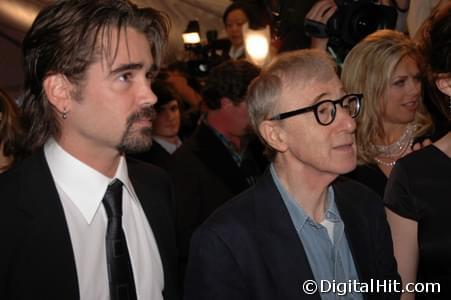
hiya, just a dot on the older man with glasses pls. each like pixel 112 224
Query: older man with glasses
pixel 303 231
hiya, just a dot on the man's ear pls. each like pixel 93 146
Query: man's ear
pixel 273 135
pixel 58 90
pixel 444 84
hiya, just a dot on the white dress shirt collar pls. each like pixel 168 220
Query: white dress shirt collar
pixel 84 185
pixel 236 53
pixel 169 147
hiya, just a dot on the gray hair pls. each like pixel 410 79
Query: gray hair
pixel 285 71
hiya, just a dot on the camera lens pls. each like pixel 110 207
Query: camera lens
pixel 363 22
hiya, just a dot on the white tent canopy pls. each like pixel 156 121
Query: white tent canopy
pixel 16 17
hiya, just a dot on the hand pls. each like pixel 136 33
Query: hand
pixel 421 145
pixel 180 83
pixel 417 146
pixel 321 12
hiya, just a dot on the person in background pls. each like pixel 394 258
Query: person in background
pixel 188 88
pixel 184 84
pixel 301 222
pixel 419 188
pixel 218 161
pixel 386 68
pixel 321 12
pixel 319 25
pixel 419 11
pixel 402 9
pixel 441 123
pixel 165 126
pixel 11 132
pixel 77 219
pixel 234 17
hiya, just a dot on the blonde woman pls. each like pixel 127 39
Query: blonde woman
pixel 385 68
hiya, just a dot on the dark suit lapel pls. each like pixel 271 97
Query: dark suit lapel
pixel 218 160
pixel 159 151
pixel 152 197
pixel 50 234
pixel 279 242
pixel 155 155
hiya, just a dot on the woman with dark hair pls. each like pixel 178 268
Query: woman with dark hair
pixel 234 17
pixel 10 132
pixel 418 190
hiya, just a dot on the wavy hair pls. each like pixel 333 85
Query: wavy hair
pixel 229 79
pixel 66 38
pixel 435 45
pixel 367 69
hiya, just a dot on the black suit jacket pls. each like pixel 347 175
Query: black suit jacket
pixel 36 256
pixel 249 249
pixel 205 176
pixel 156 155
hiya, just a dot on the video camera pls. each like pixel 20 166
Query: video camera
pixel 353 20
pixel 206 56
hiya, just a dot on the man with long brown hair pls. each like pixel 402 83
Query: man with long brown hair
pixel 78 221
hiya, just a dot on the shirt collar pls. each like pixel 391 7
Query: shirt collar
pixel 169 147
pixel 332 213
pixel 297 213
pixel 84 185
pixel 236 53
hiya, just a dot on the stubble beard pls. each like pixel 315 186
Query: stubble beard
pixel 134 139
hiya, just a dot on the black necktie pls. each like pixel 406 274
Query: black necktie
pixel 120 273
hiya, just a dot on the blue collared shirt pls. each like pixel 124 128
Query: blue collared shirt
pixel 325 244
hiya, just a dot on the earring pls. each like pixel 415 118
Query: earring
pixel 64 114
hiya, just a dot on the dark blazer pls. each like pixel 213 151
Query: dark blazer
pixel 36 256
pixel 249 248
pixel 205 176
pixel 156 155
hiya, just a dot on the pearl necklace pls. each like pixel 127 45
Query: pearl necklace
pixel 392 162
pixel 395 150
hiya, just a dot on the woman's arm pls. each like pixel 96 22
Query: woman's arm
pixel 404 232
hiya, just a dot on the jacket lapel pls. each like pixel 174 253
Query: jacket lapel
pixel 280 245
pixel 218 160
pixel 49 238
pixel 152 196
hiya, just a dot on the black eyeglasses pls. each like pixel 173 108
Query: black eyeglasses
pixel 326 110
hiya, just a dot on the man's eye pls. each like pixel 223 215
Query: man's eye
pixel 323 110
pixel 125 77
pixel 150 76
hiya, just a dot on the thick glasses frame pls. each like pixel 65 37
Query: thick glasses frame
pixel 315 107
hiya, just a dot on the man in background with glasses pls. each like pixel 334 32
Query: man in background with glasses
pixel 302 232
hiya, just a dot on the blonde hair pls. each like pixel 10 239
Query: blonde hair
pixel 288 69
pixel 367 69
